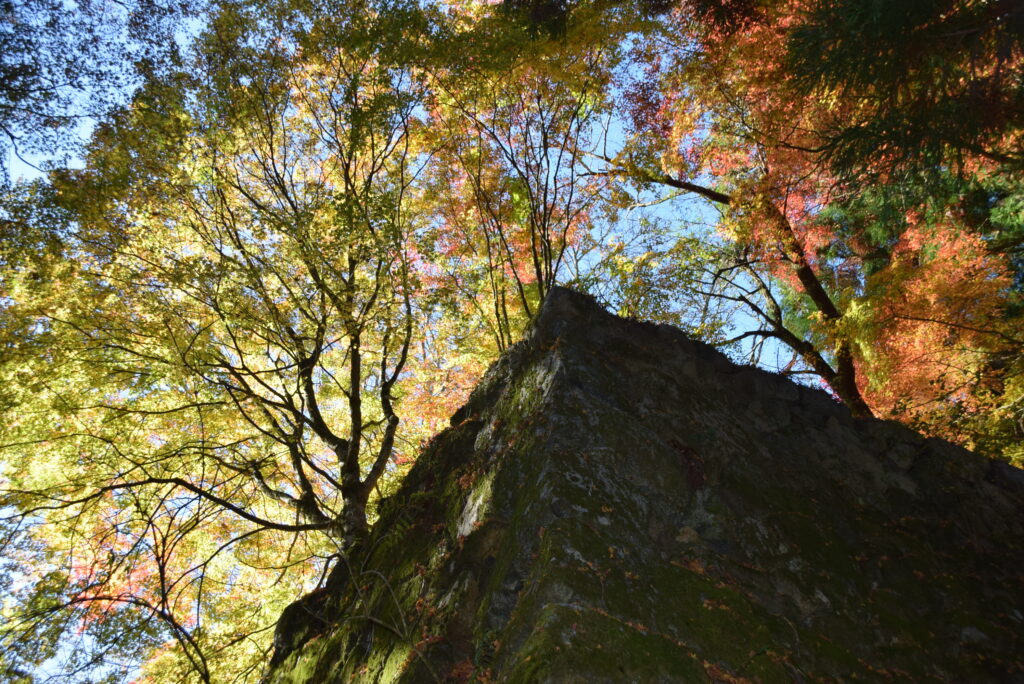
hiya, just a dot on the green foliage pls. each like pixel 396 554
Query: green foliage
pixel 928 81
pixel 65 62
pixel 663 276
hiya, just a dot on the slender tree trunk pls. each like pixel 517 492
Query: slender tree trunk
pixel 844 379
pixel 843 376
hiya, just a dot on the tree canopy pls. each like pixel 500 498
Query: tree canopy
pixel 300 230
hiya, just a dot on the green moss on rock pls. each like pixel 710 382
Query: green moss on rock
pixel 619 503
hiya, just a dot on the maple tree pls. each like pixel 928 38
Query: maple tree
pixel 241 321
pixel 287 262
pixel 772 144
pixel 64 64
pixel 512 135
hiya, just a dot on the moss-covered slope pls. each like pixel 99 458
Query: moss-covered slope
pixel 619 503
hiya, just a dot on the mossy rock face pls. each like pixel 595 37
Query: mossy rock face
pixel 619 503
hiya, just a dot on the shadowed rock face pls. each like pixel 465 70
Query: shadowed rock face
pixel 619 503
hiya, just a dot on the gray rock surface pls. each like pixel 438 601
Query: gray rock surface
pixel 618 503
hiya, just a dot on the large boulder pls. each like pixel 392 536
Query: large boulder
pixel 619 503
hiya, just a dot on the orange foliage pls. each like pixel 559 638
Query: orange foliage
pixel 935 319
